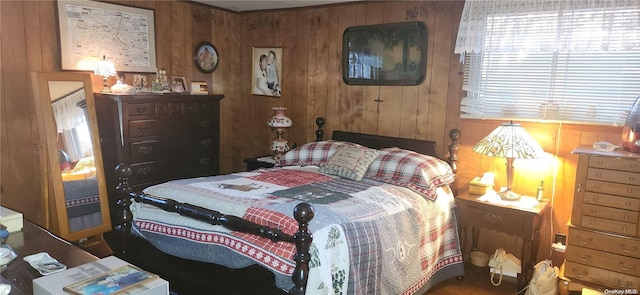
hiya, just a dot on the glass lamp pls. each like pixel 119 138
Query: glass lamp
pixel 512 142
pixel 279 123
pixel 105 69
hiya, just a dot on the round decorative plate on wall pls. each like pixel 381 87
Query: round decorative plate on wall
pixel 206 57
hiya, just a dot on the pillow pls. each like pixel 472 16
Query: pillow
pixel 349 162
pixel 312 153
pixel 418 172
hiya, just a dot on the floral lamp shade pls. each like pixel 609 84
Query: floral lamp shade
pixel 105 69
pixel 512 142
pixel 279 123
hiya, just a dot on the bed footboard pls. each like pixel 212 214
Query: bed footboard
pixel 303 213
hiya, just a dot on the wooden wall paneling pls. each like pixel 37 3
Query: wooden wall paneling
pixel 455 92
pixel 178 40
pixel 163 35
pixel 440 71
pixel 300 81
pixel 320 77
pixel 425 13
pixel 22 182
pixel 334 68
pixel 348 107
pixel 312 61
pixel 50 48
pixel 293 100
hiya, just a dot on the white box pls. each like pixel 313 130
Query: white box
pixel 52 284
pixel 11 219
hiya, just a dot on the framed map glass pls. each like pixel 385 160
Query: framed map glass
pixel 91 30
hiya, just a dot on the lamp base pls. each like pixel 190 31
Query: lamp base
pixel 509 195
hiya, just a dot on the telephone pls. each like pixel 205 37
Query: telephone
pixel 505 264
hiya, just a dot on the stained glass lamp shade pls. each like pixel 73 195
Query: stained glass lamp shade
pixel 512 142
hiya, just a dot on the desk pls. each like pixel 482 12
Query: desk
pixel 522 222
pixel 31 240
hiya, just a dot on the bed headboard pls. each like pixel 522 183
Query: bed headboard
pixel 425 147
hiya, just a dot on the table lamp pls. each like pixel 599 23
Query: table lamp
pixel 512 142
pixel 279 123
pixel 105 69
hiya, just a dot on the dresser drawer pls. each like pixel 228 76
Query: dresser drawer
pixel 613 163
pixel 169 108
pixel 601 276
pixel 624 190
pixel 612 201
pixel 624 228
pixel 140 109
pixel 614 176
pixel 610 213
pixel 142 128
pixel 146 171
pixel 606 242
pixel 617 263
pixel 142 151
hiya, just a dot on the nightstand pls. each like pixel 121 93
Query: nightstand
pixel 522 218
pixel 260 162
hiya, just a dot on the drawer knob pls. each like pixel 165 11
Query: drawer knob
pixel 627 204
pixel 598 174
pixel 141 110
pixel 579 189
pixel 142 129
pixel 586 241
pixel 631 178
pixel 205 124
pixel 493 218
pixel 205 161
pixel 624 267
pixel 594 211
pixel 596 186
pixel 627 249
pixel 595 199
pixel 580 274
pixel 584 257
pixel 624 285
pixel 146 149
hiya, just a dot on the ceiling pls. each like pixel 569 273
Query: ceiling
pixel 243 6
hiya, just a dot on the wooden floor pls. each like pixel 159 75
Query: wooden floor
pixel 475 282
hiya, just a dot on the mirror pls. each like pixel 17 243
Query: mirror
pixel 74 184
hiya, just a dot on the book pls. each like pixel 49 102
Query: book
pixel 113 282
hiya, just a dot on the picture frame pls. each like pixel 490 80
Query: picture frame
pixel 178 84
pixel 206 57
pixel 385 54
pixel 199 87
pixel 81 22
pixel 113 282
pixel 266 71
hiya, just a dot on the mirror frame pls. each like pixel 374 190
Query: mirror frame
pixel 53 190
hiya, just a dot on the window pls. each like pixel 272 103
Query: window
pixel 553 62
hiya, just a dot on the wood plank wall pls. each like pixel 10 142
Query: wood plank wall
pixel 311 39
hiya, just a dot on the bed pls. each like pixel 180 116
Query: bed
pixel 356 227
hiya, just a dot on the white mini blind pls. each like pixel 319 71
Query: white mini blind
pixel 578 64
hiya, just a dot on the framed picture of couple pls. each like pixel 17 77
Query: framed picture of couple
pixel 266 71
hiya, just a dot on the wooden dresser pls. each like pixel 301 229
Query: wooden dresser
pixel 604 233
pixel 162 137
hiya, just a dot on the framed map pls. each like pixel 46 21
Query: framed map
pixel 91 30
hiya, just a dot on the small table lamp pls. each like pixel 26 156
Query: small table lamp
pixel 105 69
pixel 509 141
pixel 279 123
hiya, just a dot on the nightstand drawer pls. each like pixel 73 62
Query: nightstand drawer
pixel 491 218
pixel 618 263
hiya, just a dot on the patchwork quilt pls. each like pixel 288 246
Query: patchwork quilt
pixel 369 237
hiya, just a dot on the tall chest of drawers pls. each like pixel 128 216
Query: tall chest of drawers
pixel 162 137
pixel 604 231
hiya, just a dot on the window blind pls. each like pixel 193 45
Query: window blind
pixel 577 66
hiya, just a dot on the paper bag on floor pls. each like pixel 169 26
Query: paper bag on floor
pixel 544 280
